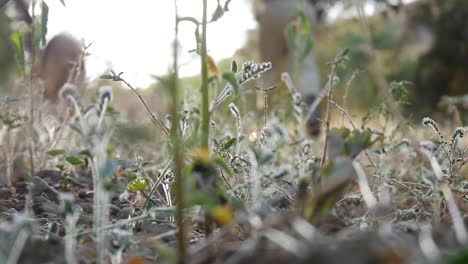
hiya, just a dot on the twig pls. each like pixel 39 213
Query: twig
pixel 59 136
pixel 153 116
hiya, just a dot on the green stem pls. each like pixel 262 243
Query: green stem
pixel 204 87
pixel 328 114
pixel 31 108
pixel 178 153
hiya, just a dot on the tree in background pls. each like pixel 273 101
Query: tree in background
pixel 443 70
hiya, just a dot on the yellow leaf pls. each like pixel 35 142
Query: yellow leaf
pixel 203 154
pixel 223 215
pixel 212 66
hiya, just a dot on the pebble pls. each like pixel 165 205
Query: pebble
pixel 5 193
pixel 124 213
pixel 87 208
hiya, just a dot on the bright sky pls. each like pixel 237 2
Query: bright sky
pixel 135 36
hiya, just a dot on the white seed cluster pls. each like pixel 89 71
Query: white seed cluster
pixel 252 70
pixel 429 122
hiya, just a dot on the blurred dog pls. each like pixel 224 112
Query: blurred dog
pixel 61 65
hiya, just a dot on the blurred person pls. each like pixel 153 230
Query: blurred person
pixel 273 16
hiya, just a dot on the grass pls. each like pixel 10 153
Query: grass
pixel 220 183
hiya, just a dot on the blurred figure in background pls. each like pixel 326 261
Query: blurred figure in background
pixel 61 62
pixel 273 16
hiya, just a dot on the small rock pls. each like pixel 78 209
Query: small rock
pixel 52 177
pixel 5 193
pixel 124 213
pixel 87 208
pixel 114 210
pixel 39 186
pixel 38 250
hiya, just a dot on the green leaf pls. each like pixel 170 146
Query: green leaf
pixel 305 24
pixel 460 256
pixel 74 160
pixel 344 53
pixel 230 77
pixel 290 35
pixel 139 184
pixel 218 13
pixel 229 143
pixel 399 91
pixel 17 40
pixel 3 3
pixel 111 111
pixel 223 164
pixel 201 198
pixel 146 163
pixel 342 57
pixel 56 152
pixel 234 66
pixel 44 20
pixel 309 45
pixel 358 141
pixel 86 153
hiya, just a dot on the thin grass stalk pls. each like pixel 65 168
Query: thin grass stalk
pixel 204 86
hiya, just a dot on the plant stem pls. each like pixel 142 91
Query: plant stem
pixel 178 158
pixel 153 116
pixel 265 109
pixel 204 87
pixel 31 106
pixel 327 121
